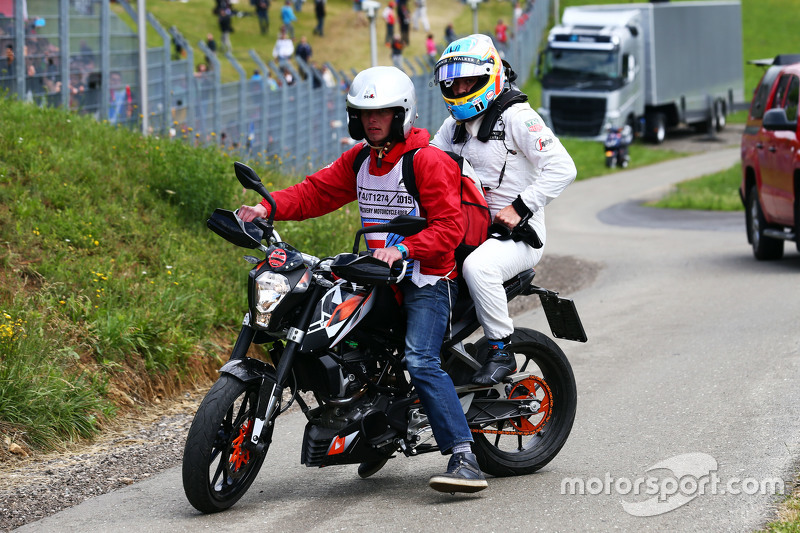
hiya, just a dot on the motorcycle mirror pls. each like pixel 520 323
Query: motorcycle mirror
pixel 250 180
pixel 403 225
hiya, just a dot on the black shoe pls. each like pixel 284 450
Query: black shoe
pixel 463 475
pixel 370 467
pixel 498 366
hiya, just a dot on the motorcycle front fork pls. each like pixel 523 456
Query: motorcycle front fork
pixel 269 394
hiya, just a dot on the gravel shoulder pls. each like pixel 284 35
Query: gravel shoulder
pixel 137 447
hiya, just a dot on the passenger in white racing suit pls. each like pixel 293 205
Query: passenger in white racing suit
pixel 522 166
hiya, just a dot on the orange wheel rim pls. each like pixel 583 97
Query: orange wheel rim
pixel 533 388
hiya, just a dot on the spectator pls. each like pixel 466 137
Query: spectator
pixel 501 32
pixel 287 76
pixel 450 34
pixel 200 70
pixel 327 76
pixel 430 49
pixel 256 75
pixel 420 16
pixel 389 18
pixel 225 24
pixel 211 43
pixel 298 5
pixel 283 49
pixel 288 18
pixel 8 62
pixel 319 11
pixel 262 12
pixel 397 52
pixel 404 17
pixel 303 50
pixel 120 106
pixel 501 36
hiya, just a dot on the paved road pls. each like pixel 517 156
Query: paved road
pixel 690 378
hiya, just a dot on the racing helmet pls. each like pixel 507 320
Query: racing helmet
pixel 381 88
pixel 474 55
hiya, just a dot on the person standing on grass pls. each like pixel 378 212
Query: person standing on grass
pixel 288 18
pixel 319 12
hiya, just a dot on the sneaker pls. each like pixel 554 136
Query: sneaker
pixel 498 366
pixel 463 475
pixel 368 468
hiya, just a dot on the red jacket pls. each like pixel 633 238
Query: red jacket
pixel 438 180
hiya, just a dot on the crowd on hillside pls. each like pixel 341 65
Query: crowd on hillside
pixel 399 18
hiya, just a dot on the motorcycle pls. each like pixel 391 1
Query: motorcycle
pixel 336 331
pixel 616 146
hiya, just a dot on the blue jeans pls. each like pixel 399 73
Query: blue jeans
pixel 428 312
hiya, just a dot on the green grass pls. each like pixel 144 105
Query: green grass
pixel 714 192
pixel 109 280
pixel 345 43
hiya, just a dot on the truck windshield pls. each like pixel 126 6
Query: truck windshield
pixel 588 69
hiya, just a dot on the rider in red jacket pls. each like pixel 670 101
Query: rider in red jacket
pixel 381 108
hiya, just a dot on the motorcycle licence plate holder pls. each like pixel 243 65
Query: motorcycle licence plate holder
pixel 562 315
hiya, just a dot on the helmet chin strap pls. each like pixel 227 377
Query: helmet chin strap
pixel 381 149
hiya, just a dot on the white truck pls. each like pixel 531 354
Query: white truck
pixel 649 66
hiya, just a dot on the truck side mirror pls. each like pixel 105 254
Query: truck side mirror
pixel 775 120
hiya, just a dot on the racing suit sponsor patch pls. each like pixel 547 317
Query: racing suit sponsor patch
pixel 534 125
pixel 543 144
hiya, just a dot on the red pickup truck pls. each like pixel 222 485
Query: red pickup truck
pixel 771 160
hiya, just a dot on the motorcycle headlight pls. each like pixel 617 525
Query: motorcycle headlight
pixel 271 288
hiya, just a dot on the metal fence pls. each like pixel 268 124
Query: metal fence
pixel 76 51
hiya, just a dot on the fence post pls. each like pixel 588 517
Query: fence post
pixel 262 67
pixel 19 49
pixel 217 93
pixel 242 96
pixel 191 92
pixel 166 110
pixel 63 38
pixel 284 89
pixel 105 59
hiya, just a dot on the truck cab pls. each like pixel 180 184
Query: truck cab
pixel 590 73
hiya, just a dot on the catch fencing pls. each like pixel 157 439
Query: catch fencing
pixel 76 51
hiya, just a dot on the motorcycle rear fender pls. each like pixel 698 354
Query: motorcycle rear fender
pixel 248 370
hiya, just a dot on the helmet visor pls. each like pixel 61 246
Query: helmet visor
pixel 454 67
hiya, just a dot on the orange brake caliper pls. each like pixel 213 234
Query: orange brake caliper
pixel 239 455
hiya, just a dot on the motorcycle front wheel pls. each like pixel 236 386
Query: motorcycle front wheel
pixel 525 444
pixel 217 469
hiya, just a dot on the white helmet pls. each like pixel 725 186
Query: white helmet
pixel 382 88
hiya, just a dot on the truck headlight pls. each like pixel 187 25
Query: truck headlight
pixel 271 288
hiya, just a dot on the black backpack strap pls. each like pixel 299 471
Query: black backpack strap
pixel 408 173
pixel 503 102
pixel 360 158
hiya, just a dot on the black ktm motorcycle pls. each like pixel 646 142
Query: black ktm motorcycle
pixel 336 331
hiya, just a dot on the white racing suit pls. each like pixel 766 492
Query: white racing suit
pixel 535 168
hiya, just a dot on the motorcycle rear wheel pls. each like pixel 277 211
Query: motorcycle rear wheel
pixel 502 454
pixel 217 469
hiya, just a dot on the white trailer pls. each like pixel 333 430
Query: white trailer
pixel 652 66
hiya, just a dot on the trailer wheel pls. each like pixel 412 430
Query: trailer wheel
pixel 655 128
pixel 720 115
